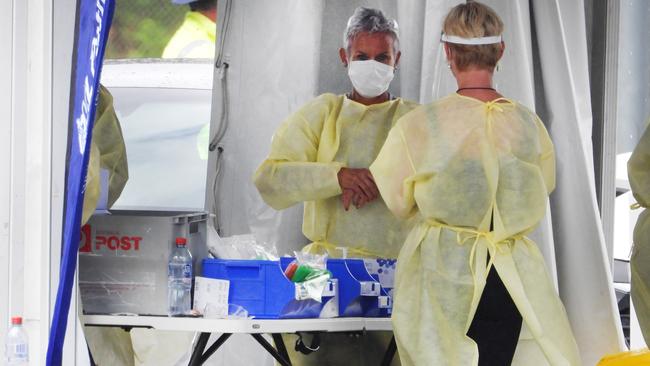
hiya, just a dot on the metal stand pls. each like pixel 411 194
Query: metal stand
pixel 215 346
pixel 280 346
pixel 197 354
pixel 200 355
pixel 272 351
pixel 390 352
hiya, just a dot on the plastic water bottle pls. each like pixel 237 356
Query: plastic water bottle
pixel 16 348
pixel 179 280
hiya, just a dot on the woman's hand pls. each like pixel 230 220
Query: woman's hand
pixel 358 187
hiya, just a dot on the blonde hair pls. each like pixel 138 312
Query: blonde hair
pixel 471 20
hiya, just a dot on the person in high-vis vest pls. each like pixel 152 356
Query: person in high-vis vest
pixel 195 38
pixel 478 169
pixel 320 157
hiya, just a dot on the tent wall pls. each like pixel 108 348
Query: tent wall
pixel 6 35
pixel 602 18
pixel 27 162
pixel 633 99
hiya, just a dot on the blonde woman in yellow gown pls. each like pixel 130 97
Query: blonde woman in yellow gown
pixel 478 168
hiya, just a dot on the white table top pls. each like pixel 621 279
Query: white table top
pixel 241 325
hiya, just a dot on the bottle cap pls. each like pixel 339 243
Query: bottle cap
pixel 181 241
pixel 16 320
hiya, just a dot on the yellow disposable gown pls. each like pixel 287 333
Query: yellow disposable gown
pixel 638 171
pixel 107 152
pixel 308 151
pixel 194 38
pixel 463 164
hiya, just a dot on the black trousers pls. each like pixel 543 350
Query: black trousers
pixel 496 325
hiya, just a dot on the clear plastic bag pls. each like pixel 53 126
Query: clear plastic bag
pixel 235 311
pixel 239 247
pixel 309 272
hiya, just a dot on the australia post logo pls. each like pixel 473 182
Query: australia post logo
pixel 107 241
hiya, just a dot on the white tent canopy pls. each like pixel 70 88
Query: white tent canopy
pixel 281 54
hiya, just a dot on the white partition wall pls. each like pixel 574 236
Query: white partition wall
pixel 37 40
pixel 6 31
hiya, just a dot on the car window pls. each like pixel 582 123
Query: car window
pixel 166 132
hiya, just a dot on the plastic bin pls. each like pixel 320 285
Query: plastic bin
pixel 383 270
pixel 266 293
pixel 360 295
pixel 375 301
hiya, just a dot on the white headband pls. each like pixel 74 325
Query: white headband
pixel 470 41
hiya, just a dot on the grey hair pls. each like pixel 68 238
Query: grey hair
pixel 371 21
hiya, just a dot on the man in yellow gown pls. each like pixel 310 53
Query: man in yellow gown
pixel 320 157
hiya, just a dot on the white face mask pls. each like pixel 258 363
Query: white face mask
pixel 370 78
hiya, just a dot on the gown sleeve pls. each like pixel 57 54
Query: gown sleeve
pixel 393 171
pixel 638 170
pixel 547 157
pixel 291 173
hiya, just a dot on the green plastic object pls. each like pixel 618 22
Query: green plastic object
pixel 317 273
pixel 301 273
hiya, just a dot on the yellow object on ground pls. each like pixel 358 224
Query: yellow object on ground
pixel 107 152
pixel 195 38
pixel 464 165
pixel 638 171
pixel 633 358
pixel 309 149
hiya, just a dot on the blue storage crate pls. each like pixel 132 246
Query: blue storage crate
pixel 383 271
pixel 264 291
pixel 374 300
pixel 359 293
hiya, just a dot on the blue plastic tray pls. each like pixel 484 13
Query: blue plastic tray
pixel 262 288
pixel 359 293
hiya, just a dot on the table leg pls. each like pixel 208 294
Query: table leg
pixel 280 346
pixel 390 352
pixel 214 347
pixel 269 348
pixel 195 360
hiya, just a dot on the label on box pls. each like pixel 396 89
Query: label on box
pixel 384 269
pixel 370 288
pixel 384 302
pixel 211 297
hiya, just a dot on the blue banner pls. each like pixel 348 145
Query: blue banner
pixel 93 22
